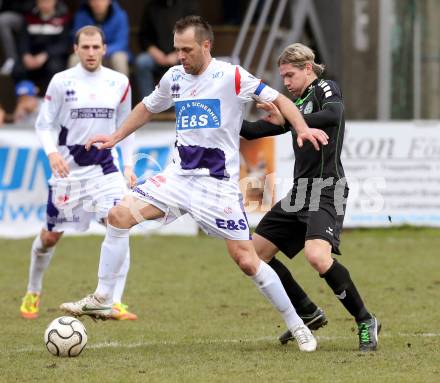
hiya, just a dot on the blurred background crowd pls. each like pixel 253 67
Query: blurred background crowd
pixel 385 53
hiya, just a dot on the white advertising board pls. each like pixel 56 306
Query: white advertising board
pixel 392 169
pixel 24 171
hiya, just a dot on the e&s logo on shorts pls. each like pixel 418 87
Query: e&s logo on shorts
pixel 198 114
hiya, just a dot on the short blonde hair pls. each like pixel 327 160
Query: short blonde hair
pixel 299 55
pixel 89 30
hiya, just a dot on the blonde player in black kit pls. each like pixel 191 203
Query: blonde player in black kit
pixel 310 217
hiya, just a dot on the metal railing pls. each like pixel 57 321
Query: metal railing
pixel 299 12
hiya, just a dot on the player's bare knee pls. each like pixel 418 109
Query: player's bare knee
pixel 265 249
pixel 318 259
pixel 318 254
pixel 245 258
pixel 247 264
pixel 49 239
pixel 265 256
pixel 117 217
pixel 314 259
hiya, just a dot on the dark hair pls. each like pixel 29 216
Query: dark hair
pixel 202 30
pixel 89 30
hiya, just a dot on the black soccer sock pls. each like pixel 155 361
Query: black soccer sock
pixel 302 303
pixel 338 278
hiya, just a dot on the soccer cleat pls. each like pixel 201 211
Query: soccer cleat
pixel 120 312
pixel 304 337
pixel 368 332
pixel 29 306
pixel 90 305
pixel 313 321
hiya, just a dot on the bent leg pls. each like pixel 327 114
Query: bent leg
pixel 115 246
pixel 266 250
pixel 266 280
pixel 318 253
pixel 42 252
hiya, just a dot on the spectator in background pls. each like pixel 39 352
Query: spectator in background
pixel 27 102
pixel 113 20
pixel 155 40
pixel 11 22
pixel 45 35
pixel 26 107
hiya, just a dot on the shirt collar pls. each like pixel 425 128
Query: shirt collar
pixel 310 87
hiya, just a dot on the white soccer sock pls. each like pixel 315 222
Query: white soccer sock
pixel 121 279
pixel 268 282
pixel 114 250
pixel 40 259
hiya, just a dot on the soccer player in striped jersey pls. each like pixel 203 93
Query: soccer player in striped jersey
pixel 202 179
pixel 85 100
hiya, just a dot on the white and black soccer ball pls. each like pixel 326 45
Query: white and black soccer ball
pixel 65 336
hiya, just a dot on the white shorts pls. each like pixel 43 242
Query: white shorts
pixel 216 205
pixel 72 204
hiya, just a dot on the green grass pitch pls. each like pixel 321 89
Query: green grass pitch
pixel 201 320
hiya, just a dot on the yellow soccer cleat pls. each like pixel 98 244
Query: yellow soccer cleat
pixel 29 307
pixel 120 312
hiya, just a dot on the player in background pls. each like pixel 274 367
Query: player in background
pixel 202 180
pixel 85 100
pixel 310 217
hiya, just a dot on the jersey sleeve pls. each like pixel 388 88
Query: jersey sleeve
pixel 331 106
pixel 258 129
pixel 160 99
pixel 47 116
pixel 124 108
pixel 248 87
pixel 50 107
pixel 328 91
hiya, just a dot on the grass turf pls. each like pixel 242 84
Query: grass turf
pixel 201 320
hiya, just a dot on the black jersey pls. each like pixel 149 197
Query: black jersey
pixel 322 107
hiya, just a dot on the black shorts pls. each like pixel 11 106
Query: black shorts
pixel 289 230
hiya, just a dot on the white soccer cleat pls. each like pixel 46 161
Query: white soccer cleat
pixel 304 337
pixel 90 305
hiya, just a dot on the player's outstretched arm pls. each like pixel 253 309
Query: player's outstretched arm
pixel 271 125
pixel 138 117
pixel 293 115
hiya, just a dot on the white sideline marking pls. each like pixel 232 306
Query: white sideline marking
pixel 116 344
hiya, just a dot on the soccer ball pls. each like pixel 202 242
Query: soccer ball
pixel 65 336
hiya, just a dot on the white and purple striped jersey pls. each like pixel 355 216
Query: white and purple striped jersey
pixel 209 113
pixel 78 105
